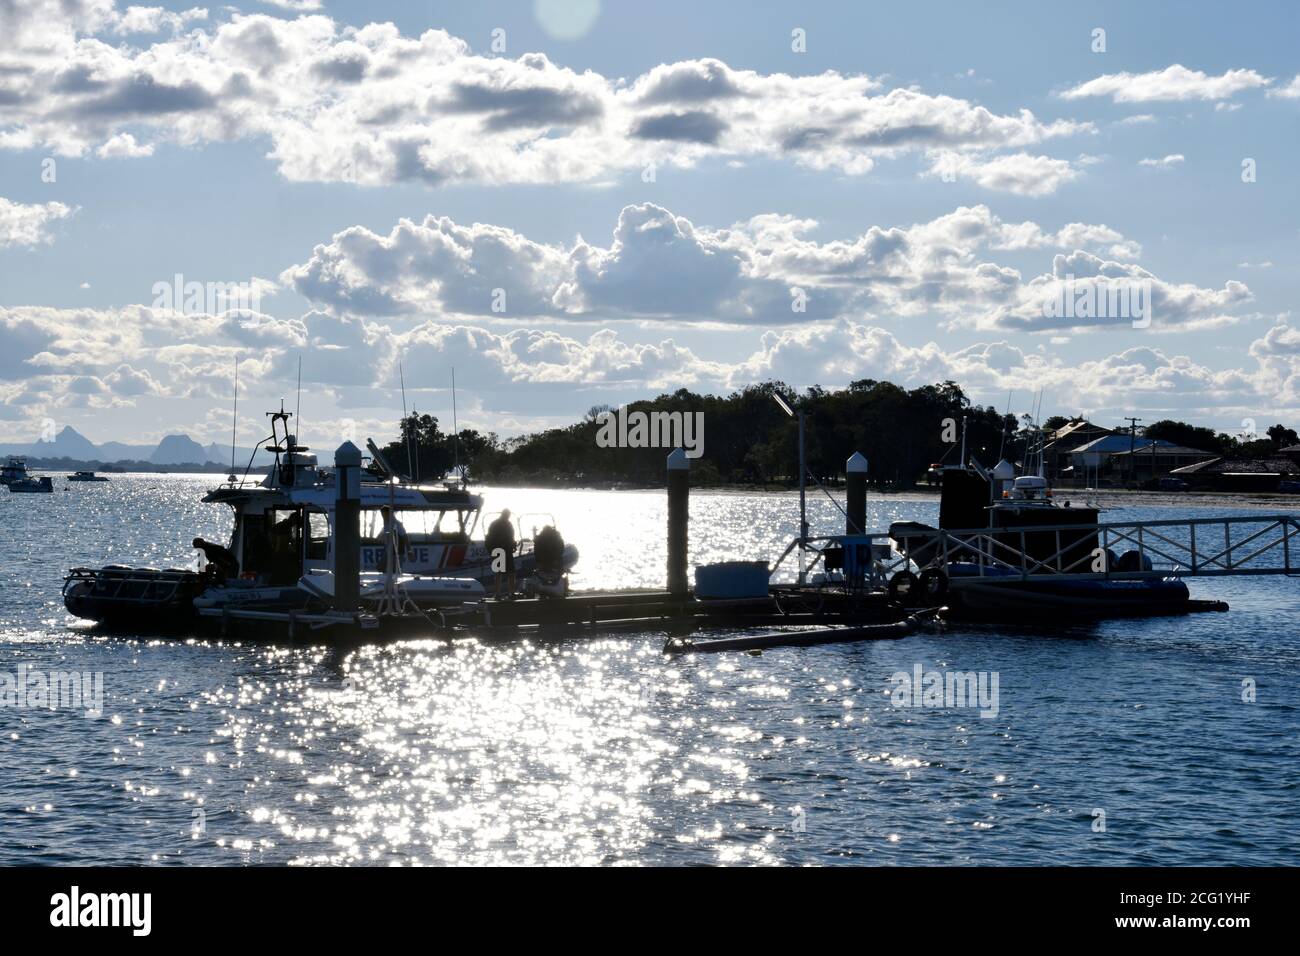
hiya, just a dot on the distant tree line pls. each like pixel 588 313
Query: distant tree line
pixel 63 463
pixel 748 439
pixel 1275 438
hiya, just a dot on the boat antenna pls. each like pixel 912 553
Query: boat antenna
pixel 410 467
pixel 455 427
pixel 1002 445
pixel 234 420
pixel 297 411
pixel 1038 431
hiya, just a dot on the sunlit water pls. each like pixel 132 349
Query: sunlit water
pixel 603 751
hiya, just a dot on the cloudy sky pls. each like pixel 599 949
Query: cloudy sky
pixel 576 203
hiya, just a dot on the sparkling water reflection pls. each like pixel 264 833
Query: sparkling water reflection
pixel 602 751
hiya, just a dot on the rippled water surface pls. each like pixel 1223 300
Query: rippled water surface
pixel 603 751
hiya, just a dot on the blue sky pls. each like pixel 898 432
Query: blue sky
pixel 284 148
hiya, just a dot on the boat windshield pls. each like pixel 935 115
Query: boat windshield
pixel 420 523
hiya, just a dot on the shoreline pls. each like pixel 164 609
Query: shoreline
pixel 1103 498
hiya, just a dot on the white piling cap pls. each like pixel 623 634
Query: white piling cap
pixel 857 464
pixel 677 460
pixel 347 455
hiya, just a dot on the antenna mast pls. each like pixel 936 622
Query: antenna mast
pixel 1002 445
pixel 297 412
pixel 455 427
pixel 234 420
pixel 1042 438
pixel 410 467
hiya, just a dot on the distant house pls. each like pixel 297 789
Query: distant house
pixel 1240 474
pixel 1124 458
pixel 1063 443
pixel 1155 460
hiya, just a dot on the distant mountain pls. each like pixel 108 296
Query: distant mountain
pixel 179 450
pixel 69 443
pixel 117 451
pixel 173 450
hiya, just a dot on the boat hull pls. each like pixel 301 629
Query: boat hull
pixel 423 591
pixel 39 486
pixel 146 599
pixel 1070 599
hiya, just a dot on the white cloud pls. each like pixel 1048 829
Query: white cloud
pixel 1173 83
pixel 136 19
pixel 524 375
pixel 659 266
pixel 1291 91
pixel 25 225
pixel 129 382
pixel 369 105
pixel 1145 377
pixel 123 145
pixel 1172 306
pixel 1165 162
pixel 1018 173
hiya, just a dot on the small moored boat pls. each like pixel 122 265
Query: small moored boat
pixel 41 485
pixel 14 469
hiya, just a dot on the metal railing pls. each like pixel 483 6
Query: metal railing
pixel 1195 547
pixel 132 584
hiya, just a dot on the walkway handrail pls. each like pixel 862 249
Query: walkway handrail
pixel 1003 554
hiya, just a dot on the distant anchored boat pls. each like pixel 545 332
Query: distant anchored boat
pixel 85 476
pixel 41 485
pixel 14 469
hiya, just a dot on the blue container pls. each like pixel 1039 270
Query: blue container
pixel 731 580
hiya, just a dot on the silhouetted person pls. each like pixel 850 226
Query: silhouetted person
pixel 402 542
pixel 221 559
pixel 548 546
pixel 501 537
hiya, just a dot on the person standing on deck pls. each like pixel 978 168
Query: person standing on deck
pixel 501 538
pixel 401 542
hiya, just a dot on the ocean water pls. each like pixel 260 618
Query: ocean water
pixel 1122 742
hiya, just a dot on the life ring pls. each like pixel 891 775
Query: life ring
pixel 933 584
pixel 904 581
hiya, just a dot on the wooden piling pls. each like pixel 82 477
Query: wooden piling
pixel 679 485
pixel 855 482
pixel 347 527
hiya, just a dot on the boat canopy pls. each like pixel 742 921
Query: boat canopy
pixel 374 494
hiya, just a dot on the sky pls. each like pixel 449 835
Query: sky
pixel 583 203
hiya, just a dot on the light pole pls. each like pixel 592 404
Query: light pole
pixel 1132 444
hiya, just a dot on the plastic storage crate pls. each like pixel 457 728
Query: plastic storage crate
pixel 731 580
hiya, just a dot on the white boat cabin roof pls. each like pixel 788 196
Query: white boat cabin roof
pixel 313 488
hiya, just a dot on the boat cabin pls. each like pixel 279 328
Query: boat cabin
pixel 14 469
pixel 284 524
